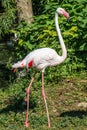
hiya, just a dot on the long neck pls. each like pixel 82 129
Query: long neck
pixel 64 52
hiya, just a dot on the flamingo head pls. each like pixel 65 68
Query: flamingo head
pixel 63 12
pixel 19 64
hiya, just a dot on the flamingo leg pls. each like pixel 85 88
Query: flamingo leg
pixel 44 97
pixel 28 93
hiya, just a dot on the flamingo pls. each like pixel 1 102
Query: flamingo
pixel 42 58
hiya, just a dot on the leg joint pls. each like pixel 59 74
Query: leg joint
pixel 43 95
pixel 28 91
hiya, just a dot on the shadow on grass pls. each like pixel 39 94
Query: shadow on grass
pixel 15 106
pixel 74 113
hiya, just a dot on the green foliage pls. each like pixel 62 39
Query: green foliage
pixel 42 33
pixel 7 17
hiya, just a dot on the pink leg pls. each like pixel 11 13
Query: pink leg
pixel 44 97
pixel 28 92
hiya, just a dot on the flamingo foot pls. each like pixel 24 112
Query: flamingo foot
pixel 26 124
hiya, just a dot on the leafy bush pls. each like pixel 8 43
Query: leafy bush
pixel 7 17
pixel 42 33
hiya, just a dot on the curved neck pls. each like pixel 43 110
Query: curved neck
pixel 64 52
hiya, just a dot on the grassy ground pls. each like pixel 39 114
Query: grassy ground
pixel 64 98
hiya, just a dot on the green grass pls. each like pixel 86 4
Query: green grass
pixel 63 99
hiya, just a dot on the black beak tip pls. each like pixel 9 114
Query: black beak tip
pixel 68 19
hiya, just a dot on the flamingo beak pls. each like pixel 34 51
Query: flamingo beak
pixel 14 70
pixel 65 14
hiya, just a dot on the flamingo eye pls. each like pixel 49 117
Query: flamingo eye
pixel 61 11
pixel 22 64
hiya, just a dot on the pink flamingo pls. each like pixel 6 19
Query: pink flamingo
pixel 42 58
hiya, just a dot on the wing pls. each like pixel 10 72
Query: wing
pixel 41 58
pixel 45 57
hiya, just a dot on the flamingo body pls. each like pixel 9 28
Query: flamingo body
pixel 40 58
